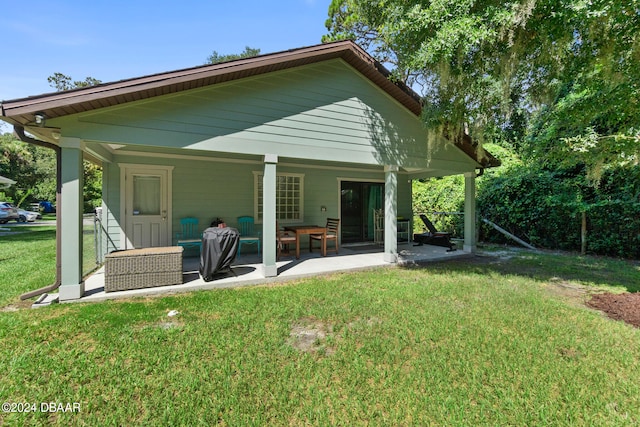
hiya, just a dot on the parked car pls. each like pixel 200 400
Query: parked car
pixel 8 212
pixel 28 216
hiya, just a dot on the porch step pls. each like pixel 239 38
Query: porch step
pixel 45 300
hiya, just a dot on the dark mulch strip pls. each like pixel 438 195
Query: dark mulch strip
pixel 625 307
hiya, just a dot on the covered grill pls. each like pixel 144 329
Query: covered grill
pixel 219 248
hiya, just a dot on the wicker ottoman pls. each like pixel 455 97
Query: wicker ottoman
pixel 143 268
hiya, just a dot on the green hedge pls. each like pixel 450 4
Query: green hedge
pixel 545 208
pixel 614 228
pixel 535 206
pixel 439 195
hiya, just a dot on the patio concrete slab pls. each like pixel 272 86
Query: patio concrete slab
pixel 247 269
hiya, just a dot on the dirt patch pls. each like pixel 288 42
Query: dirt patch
pixel 310 335
pixel 18 305
pixel 625 307
pixel 572 292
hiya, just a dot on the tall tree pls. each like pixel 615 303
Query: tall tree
pixel 32 167
pixel 248 52
pixel 483 64
pixel 92 190
pixel 61 82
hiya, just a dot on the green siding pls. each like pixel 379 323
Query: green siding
pixel 111 203
pixel 210 189
pixel 325 111
pixel 326 115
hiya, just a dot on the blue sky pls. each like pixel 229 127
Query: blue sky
pixel 114 39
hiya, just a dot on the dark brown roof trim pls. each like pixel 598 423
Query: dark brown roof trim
pixel 22 111
pixel 484 158
pixel 109 94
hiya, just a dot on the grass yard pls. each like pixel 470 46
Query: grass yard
pixel 459 343
pixel 28 259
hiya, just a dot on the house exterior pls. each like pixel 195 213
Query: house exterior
pixel 295 136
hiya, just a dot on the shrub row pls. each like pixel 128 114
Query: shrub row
pixel 544 207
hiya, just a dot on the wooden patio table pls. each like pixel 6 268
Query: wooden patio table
pixel 308 229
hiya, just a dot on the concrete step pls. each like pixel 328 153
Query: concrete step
pixel 46 300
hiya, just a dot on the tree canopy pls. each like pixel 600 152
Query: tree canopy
pixel 572 67
pixel 61 82
pixel 216 58
pixel 32 167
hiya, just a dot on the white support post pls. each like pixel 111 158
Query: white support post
pixel 470 212
pixel 71 286
pixel 391 214
pixel 269 267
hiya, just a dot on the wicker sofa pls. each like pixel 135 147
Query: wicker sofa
pixel 143 268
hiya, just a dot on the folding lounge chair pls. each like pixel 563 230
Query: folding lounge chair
pixel 433 236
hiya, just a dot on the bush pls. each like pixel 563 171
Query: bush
pixel 535 206
pixel 613 228
pixel 545 208
pixel 440 195
pixel 542 206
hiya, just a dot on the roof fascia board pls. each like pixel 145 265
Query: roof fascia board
pixel 279 61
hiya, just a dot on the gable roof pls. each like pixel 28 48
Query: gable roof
pixel 22 111
pixel 108 94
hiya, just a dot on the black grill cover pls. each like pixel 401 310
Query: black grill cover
pixel 219 248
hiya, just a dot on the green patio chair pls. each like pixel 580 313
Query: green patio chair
pixel 247 234
pixel 189 237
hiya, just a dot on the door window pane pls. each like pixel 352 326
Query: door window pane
pixel 146 195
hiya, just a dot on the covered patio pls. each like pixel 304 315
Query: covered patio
pixel 294 137
pixel 247 269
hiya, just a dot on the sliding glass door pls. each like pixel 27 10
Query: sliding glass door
pixel 358 200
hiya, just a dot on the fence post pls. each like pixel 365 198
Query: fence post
pixel 470 225
pixel 583 234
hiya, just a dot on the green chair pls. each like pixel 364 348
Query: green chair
pixel 247 234
pixel 189 237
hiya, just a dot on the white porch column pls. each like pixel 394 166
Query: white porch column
pixel 269 267
pixel 390 214
pixel 71 286
pixel 470 212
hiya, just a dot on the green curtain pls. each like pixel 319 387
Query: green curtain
pixel 375 202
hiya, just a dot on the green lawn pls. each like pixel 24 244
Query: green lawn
pixel 480 343
pixel 28 259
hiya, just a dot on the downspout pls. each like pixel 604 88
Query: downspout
pixel 19 132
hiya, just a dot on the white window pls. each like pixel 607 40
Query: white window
pixel 289 197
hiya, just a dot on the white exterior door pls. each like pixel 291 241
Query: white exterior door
pixel 146 206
